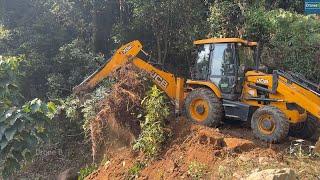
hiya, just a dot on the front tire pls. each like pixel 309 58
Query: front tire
pixel 270 124
pixel 203 107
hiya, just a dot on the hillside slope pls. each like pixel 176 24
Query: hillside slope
pixel 194 152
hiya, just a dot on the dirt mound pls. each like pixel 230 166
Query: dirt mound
pixel 195 151
pixel 117 124
pixel 190 143
pixel 198 144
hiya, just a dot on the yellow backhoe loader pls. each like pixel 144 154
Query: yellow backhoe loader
pixel 228 81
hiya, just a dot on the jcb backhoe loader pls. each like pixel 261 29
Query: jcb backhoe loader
pixel 229 82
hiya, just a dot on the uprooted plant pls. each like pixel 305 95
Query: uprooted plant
pixel 152 126
pixel 118 120
pixel 85 111
pixel 123 113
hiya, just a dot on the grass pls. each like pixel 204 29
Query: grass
pixel 197 170
pixel 135 169
pixel 86 171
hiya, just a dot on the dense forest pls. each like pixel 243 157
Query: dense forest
pixel 49 46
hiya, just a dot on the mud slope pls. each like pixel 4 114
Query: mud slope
pixel 193 151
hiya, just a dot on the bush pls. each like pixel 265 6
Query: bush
pixel 152 127
pixel 290 41
pixel 23 125
pixel 294 44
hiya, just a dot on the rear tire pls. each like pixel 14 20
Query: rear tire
pixel 270 124
pixel 203 107
pixel 304 130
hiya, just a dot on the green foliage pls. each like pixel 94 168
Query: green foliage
pixel 290 41
pixel 71 107
pixel 86 111
pixel 90 107
pixel 3 32
pixel 257 25
pixel 166 28
pixel 59 41
pixel 226 19
pixel 22 126
pixel 135 170
pixel 84 172
pixel 153 135
pixel 73 62
pixel 197 170
pixel 294 43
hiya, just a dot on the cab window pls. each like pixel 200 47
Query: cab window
pixel 202 62
pixel 246 58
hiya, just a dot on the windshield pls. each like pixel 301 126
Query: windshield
pixel 222 59
pixel 202 62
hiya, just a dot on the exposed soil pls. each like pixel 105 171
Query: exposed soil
pixel 117 123
pixel 229 152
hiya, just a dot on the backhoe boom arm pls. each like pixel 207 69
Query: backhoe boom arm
pixel 171 85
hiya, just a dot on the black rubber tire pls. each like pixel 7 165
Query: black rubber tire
pixel 215 113
pixel 304 130
pixel 281 124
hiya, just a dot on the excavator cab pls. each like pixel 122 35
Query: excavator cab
pixel 224 62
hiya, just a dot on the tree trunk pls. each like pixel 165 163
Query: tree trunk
pixel 105 14
pixel 158 49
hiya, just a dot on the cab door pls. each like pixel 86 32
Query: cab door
pixel 223 69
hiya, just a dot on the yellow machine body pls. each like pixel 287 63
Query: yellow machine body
pixel 294 100
pixel 287 92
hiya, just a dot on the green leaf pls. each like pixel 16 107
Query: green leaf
pixel 9 133
pixel 3 127
pixel 36 105
pixel 52 107
pixel 26 108
pixel 14 118
pixel 2 118
pixel 3 143
pixel 7 114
